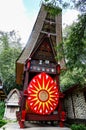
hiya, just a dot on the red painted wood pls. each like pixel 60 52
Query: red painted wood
pixel 43 94
pixel 36 117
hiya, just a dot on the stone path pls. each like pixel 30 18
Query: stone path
pixel 15 126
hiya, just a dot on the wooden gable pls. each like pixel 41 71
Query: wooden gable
pixel 43 57
pixel 44 51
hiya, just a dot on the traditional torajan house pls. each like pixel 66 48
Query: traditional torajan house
pixel 45 25
pixel 11 105
pixel 2 91
pixel 37 62
pixel 75 104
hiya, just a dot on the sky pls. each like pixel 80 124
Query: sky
pixel 20 15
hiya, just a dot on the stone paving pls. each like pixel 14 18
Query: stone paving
pixel 15 126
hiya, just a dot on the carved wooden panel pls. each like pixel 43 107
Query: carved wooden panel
pixel 44 51
pixel 43 66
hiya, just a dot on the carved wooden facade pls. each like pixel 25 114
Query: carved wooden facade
pixel 45 25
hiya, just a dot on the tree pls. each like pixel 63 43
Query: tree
pixel 10 50
pixel 74 47
pixel 78 4
pixel 75 43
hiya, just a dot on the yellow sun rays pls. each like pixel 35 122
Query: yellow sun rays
pixel 43 84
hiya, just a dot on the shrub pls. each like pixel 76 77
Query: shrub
pixel 78 127
pixel 2 122
pixel 2 109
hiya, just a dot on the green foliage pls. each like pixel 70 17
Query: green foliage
pixel 78 4
pixel 60 51
pixel 2 109
pixel 56 3
pixel 78 127
pixel 73 50
pixel 2 122
pixel 81 5
pixel 52 9
pixel 73 77
pixel 11 48
pixel 75 44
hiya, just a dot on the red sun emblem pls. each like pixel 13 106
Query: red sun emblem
pixel 43 94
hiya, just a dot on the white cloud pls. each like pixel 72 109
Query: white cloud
pixel 69 16
pixel 14 16
pixel 10 13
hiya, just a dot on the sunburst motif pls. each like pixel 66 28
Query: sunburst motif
pixel 43 94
